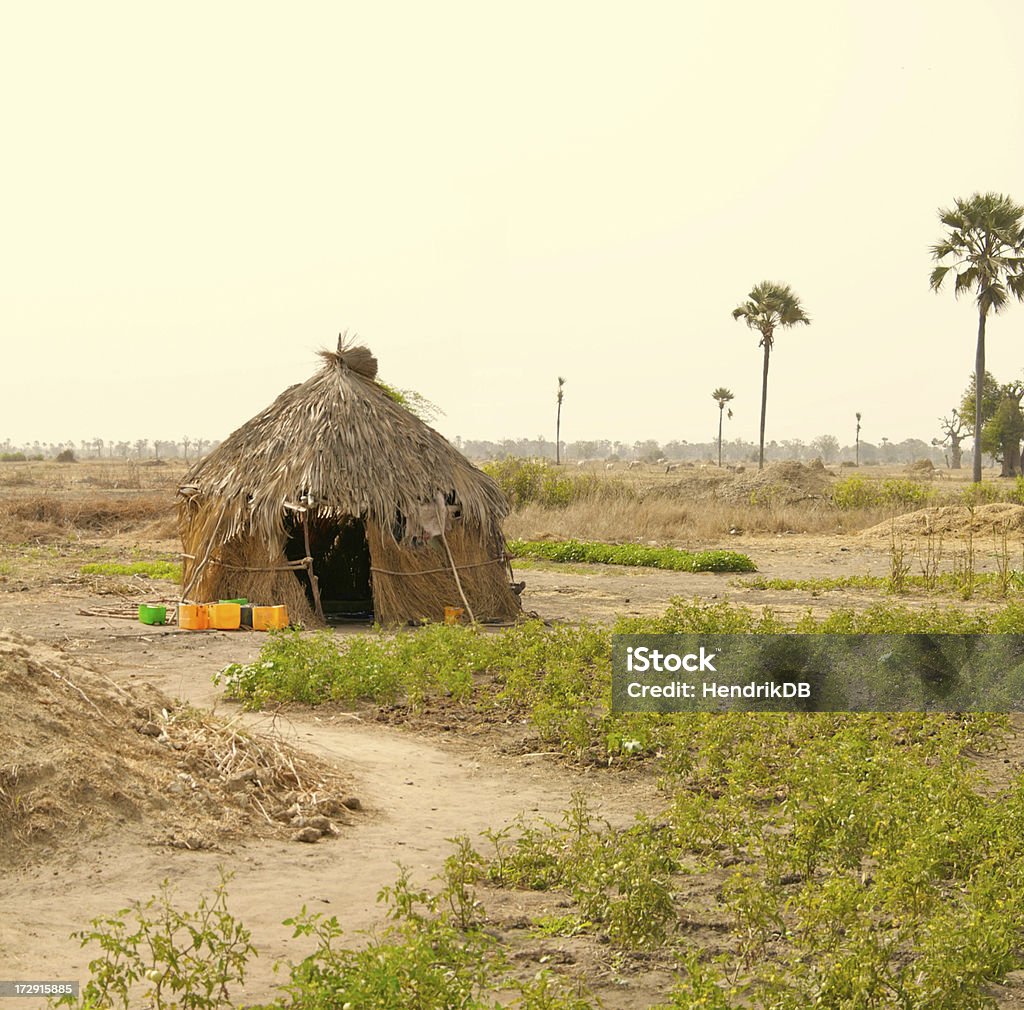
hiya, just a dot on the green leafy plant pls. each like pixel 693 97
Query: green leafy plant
pixel 533 482
pixel 462 870
pixel 619 879
pixel 667 558
pixel 422 960
pixel 168 957
pixel 149 569
pixel 892 493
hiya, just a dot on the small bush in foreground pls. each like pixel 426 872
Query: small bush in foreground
pixel 186 958
pixel 667 558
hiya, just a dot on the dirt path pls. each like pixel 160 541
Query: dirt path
pixel 416 793
pixel 416 796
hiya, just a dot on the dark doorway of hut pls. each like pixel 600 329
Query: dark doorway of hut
pixel 341 564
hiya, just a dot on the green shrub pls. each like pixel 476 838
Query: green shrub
pixel 854 493
pixel 894 492
pixel 422 960
pixel 902 493
pixel 183 959
pixel 533 482
pixel 620 879
pixel 667 558
pixel 986 493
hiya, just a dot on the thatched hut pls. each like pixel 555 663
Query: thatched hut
pixel 337 499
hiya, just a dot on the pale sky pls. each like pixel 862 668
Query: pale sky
pixel 197 196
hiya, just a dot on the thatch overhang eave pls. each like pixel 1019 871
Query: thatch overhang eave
pixel 339 438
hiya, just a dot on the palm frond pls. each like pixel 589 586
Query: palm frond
pixel 965 281
pixel 771 304
pixel 993 297
pixel 986 235
pixel 1015 282
pixel 937 277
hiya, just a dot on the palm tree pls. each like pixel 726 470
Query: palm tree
pixel 723 396
pixel 558 421
pixel 768 307
pixel 858 438
pixel 984 242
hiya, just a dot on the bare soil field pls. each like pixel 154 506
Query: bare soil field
pixel 134 766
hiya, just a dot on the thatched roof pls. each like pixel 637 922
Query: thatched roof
pixel 339 443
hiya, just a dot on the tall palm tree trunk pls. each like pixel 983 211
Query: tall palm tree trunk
pixel 721 408
pixel 558 434
pixel 764 402
pixel 979 385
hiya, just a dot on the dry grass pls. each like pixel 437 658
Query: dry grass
pixel 94 474
pixel 682 523
pixel 698 506
pixel 76 741
pixel 46 516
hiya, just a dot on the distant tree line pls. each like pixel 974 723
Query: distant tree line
pixel 827 448
pixel 189 449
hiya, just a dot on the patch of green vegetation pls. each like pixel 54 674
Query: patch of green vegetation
pixel 991 584
pixel 894 492
pixel 557 680
pixel 854 836
pixel 667 558
pixel 620 880
pixel 552 674
pixel 561 925
pixel 721 617
pixel 429 956
pixel 424 959
pixel 149 569
pixel 816 584
pixel 988 492
pixel 533 482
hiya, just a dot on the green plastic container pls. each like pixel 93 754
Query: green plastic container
pixel 152 615
pixel 241 601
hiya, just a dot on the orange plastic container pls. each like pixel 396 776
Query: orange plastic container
pixel 225 616
pixel 194 616
pixel 269 618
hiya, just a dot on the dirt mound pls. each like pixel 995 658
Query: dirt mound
pixel 82 757
pixel 953 521
pixel 778 484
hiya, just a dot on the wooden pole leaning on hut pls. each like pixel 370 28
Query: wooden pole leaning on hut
pixel 313 580
pixel 455 571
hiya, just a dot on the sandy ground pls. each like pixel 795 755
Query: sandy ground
pixel 417 789
pixel 416 793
